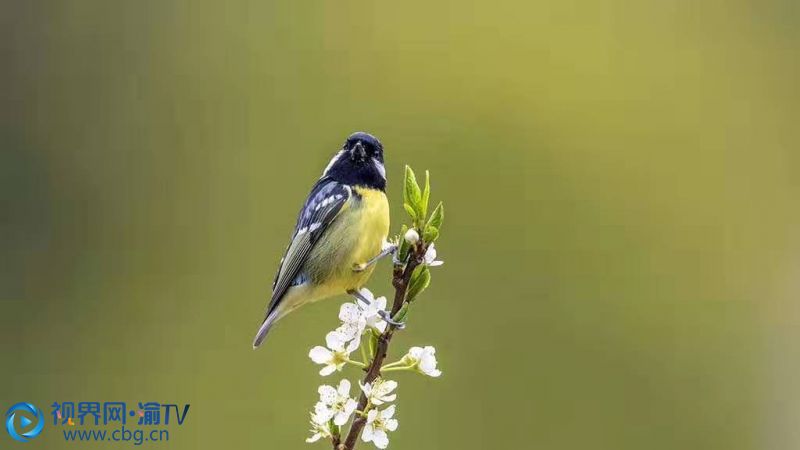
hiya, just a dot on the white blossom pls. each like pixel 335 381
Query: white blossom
pixel 356 316
pixel 320 427
pixel 430 257
pixel 378 423
pixel 379 391
pixel 411 236
pixel 336 402
pixel 336 355
pixel 423 359
pixel 322 412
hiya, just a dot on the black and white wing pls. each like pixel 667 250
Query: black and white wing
pixel 324 203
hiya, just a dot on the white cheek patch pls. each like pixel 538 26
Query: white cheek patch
pixel 379 166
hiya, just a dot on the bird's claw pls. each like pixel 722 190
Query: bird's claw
pixel 385 315
pixel 388 318
pixel 388 249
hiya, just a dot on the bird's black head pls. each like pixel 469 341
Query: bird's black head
pixel 359 162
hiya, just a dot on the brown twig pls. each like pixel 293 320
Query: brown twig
pixel 400 279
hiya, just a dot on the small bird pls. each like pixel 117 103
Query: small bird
pixel 340 233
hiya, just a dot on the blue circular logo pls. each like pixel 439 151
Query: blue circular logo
pixel 24 421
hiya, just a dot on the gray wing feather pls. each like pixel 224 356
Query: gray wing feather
pixel 320 210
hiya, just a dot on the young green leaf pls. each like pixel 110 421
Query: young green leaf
pixel 410 210
pixel 411 192
pixel 431 234
pixel 420 280
pixel 402 252
pixel 426 194
pixel 373 342
pixel 437 217
pixel 402 314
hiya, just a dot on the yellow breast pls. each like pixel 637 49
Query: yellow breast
pixel 373 223
pixel 356 236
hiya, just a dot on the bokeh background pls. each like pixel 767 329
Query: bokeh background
pixel 621 181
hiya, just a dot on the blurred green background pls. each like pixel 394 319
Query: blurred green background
pixel 621 180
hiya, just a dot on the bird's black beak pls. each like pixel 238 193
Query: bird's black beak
pixel 358 152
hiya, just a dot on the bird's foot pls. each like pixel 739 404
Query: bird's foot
pixel 385 315
pixel 389 249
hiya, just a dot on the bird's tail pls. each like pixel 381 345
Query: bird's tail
pixel 269 321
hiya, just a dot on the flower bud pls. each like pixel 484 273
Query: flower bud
pixel 412 237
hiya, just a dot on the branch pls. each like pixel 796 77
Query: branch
pixel 400 280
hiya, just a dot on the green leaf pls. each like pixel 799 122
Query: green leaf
pixel 411 193
pixel 426 194
pixel 373 342
pixel 437 217
pixel 431 234
pixel 410 210
pixel 402 252
pixel 420 280
pixel 402 314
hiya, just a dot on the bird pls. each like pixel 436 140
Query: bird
pixel 341 232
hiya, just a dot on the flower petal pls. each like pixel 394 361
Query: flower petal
pixel 353 345
pixel 335 340
pixel 387 413
pixel 327 394
pixel 389 386
pixel 430 254
pixel 350 406
pixel 349 313
pixel 366 435
pixel 380 439
pixel 351 330
pixel 344 388
pixel 341 418
pixel 427 363
pixel 367 294
pixel 390 424
pixel 372 415
pixel 320 355
pixel 322 414
pixel 327 370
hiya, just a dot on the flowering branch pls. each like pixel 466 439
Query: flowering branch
pixel 400 280
pixel 410 277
